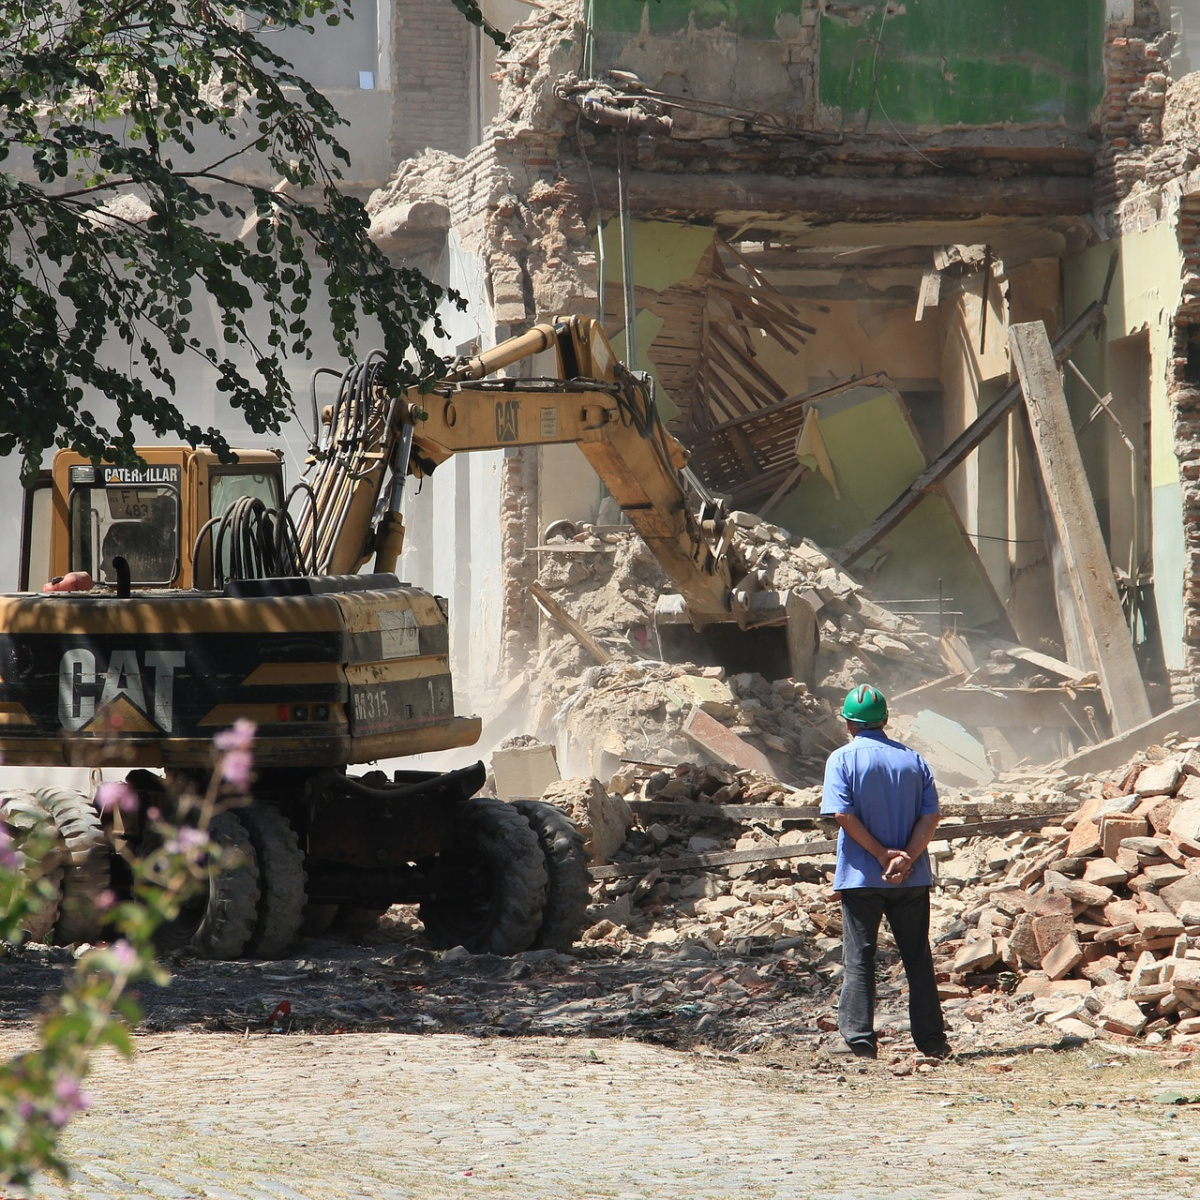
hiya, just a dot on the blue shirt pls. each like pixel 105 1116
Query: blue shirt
pixel 887 786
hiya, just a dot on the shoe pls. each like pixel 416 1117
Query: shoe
pixel 857 1049
pixel 940 1049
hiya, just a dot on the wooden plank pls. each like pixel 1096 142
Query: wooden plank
pixel 1073 513
pixel 819 849
pixel 1006 708
pixel 956 654
pixel 557 613
pixel 708 198
pixel 733 812
pixel 744 450
pixel 962 445
pixel 931 289
pixel 1035 658
pixel 914 697
pixel 1117 751
pixel 778 495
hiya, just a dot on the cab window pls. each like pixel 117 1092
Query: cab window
pixel 137 522
pixel 226 486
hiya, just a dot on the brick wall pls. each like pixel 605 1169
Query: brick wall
pixel 432 64
pixel 1130 117
pixel 1183 384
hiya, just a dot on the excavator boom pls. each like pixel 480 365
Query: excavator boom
pixel 372 439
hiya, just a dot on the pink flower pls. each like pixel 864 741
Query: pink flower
pixel 240 737
pixel 237 754
pixel 106 900
pixel 189 841
pixel 126 956
pixel 116 794
pixel 70 1095
pixel 237 768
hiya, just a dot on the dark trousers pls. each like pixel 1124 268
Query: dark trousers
pixel 907 912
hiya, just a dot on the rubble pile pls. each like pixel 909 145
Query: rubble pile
pixel 1103 914
pixel 1086 927
pixel 635 706
pixel 860 639
pixel 643 711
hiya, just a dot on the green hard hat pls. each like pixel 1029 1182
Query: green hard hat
pixel 865 705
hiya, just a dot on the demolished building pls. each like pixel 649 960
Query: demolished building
pixel 815 225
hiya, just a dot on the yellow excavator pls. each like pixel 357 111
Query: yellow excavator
pixel 185 593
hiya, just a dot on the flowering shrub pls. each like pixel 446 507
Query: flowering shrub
pixel 40 1091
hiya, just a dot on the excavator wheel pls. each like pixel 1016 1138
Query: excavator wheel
pixel 88 870
pixel 568 882
pixel 33 832
pixel 220 920
pixel 491 884
pixel 281 880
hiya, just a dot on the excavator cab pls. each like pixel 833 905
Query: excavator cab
pixel 83 516
pixel 134 514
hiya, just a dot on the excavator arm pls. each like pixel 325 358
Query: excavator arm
pixel 374 440
pixel 609 413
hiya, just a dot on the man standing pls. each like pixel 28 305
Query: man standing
pixel 883 796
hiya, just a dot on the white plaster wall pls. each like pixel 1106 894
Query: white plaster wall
pixel 453 540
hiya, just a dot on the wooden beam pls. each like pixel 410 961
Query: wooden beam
pixel 557 613
pixel 1077 528
pixel 819 849
pixel 930 293
pixel 1117 751
pixel 1044 662
pixel 734 812
pixel 1007 708
pixel 962 445
pixel 782 491
pixel 928 197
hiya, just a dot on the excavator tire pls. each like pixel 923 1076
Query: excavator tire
pixel 568 882
pixel 492 889
pixel 281 880
pixel 87 871
pixel 29 821
pixel 219 922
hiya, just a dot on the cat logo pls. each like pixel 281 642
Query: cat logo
pixel 83 679
pixel 506 420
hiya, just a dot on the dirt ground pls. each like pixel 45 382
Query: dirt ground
pixel 439 1117
pixel 401 1073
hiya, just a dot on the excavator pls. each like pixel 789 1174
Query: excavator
pixel 184 594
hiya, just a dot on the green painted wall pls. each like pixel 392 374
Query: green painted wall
pixel 875 456
pixel 933 62
pixel 749 18
pixel 942 62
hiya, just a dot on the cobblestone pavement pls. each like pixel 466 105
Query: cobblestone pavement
pixel 444 1116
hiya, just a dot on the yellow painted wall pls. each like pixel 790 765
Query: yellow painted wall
pixel 858 338
pixel 1145 293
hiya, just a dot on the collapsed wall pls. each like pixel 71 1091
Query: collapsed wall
pixel 524 199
